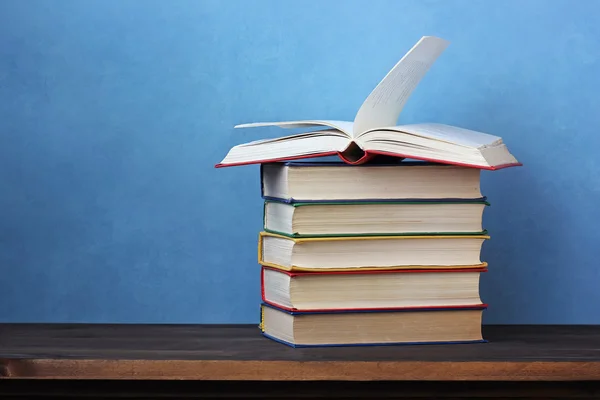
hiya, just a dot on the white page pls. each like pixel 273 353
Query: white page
pixel 384 104
pixel 298 136
pixel 313 143
pixel 342 126
pixel 449 134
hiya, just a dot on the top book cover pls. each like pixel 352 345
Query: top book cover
pixel 374 131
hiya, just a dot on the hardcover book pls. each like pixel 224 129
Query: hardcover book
pixel 370 252
pixel 313 182
pixel 371 290
pixel 374 218
pixel 368 328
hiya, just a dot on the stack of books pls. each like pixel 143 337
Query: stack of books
pixel 372 254
pixel 374 249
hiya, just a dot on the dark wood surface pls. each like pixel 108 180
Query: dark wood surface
pixel 216 353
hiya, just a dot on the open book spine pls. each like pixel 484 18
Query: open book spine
pixel 333 310
pixel 367 157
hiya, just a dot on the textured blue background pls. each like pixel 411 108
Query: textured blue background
pixel 113 113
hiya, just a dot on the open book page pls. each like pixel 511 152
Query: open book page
pixel 450 134
pixel 384 104
pixel 287 147
pixel 342 126
pixel 440 143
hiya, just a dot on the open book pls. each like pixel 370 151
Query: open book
pixel 374 130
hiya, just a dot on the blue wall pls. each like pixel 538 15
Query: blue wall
pixel 113 113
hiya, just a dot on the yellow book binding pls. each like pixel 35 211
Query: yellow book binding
pixel 326 239
pixel 261 325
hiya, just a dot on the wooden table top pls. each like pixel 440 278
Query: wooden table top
pixel 239 352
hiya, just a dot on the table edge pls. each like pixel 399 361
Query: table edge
pixel 236 370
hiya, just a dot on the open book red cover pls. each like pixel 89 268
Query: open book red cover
pixel 368 157
pixel 414 271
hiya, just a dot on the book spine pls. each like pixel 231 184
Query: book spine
pixel 262 180
pixel 261 324
pixel 260 248
pixel 365 158
pixel 262 284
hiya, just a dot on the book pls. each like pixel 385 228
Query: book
pixel 364 328
pixel 374 218
pixel 330 181
pixel 375 130
pixel 369 252
pixel 370 290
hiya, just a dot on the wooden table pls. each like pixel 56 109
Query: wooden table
pixel 235 360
